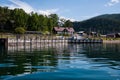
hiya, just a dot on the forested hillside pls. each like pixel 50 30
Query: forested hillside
pixel 108 23
pixel 17 20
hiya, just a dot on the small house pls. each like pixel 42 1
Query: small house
pixel 63 30
pixel 113 35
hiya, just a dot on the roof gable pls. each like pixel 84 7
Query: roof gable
pixel 60 29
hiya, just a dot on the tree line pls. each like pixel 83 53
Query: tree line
pixel 17 20
pixel 103 24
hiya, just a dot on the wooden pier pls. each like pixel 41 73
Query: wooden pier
pixel 85 41
pixel 23 43
pixel 28 42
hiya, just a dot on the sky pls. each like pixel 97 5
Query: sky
pixel 74 10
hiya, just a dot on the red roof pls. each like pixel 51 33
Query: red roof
pixel 59 28
pixel 69 29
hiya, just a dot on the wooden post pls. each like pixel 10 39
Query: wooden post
pixel 36 40
pixel 17 42
pixel 30 44
pixel 4 44
pixel 24 43
pixel 40 41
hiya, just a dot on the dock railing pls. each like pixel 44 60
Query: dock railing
pixel 36 40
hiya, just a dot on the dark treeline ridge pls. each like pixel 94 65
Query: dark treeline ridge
pixel 17 20
pixel 108 23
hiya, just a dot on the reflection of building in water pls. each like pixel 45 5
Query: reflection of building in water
pixel 69 50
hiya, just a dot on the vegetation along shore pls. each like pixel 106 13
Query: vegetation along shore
pixel 18 22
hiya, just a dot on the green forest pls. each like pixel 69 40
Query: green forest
pixel 18 21
pixel 108 23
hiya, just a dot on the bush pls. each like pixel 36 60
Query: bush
pixel 46 32
pixel 20 30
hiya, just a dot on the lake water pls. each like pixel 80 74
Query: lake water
pixel 62 62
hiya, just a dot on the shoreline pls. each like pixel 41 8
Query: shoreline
pixel 111 41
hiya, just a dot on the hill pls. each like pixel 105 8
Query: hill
pixel 108 23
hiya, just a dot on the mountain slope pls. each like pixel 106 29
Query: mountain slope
pixel 107 23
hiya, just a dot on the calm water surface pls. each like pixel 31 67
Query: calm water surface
pixel 62 62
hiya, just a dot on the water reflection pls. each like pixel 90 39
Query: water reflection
pixel 111 51
pixel 103 57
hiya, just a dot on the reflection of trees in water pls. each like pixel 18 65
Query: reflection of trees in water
pixel 45 59
pixel 40 59
pixel 108 54
pixel 28 62
pixel 112 47
pixel 110 51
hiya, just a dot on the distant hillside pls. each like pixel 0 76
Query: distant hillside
pixel 107 23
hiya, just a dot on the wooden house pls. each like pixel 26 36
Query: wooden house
pixel 63 30
pixel 113 35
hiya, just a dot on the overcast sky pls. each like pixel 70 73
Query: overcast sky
pixel 69 9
